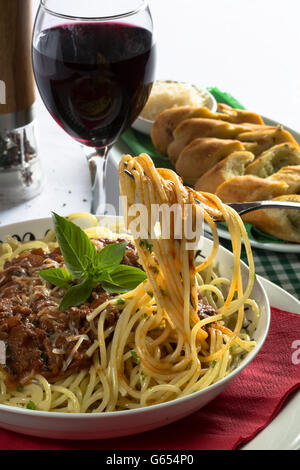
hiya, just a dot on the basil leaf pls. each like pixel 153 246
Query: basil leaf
pixel 76 247
pixel 111 288
pixel 57 276
pixel 128 277
pixel 110 257
pixel 103 276
pixel 78 294
pixel 31 405
pixel 136 357
pixel 147 245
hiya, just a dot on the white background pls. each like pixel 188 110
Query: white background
pixel 247 47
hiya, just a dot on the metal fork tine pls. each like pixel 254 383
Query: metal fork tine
pixel 129 174
pixel 243 208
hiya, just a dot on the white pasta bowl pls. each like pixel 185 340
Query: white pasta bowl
pixel 116 424
pixel 144 125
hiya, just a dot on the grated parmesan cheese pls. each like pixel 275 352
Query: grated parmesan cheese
pixel 81 338
pixel 167 95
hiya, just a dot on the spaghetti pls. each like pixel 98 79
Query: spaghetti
pixel 180 331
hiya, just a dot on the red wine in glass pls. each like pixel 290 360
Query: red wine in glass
pixel 94 77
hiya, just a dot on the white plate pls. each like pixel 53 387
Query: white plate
pixel 108 425
pixel 120 148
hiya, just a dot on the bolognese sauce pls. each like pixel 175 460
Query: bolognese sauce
pixel 40 338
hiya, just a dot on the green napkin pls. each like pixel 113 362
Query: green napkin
pixel 141 143
pixel 226 98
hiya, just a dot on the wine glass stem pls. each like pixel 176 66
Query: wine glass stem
pixel 97 161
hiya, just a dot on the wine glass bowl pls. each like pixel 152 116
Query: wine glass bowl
pixel 94 67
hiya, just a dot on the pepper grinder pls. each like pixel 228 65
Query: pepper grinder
pixel 20 167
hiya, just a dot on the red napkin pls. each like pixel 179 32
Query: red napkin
pixel 246 407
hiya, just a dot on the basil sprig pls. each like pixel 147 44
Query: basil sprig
pixel 86 267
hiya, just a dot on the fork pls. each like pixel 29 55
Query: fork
pixel 243 208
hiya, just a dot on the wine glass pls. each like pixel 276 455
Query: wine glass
pixel 94 67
